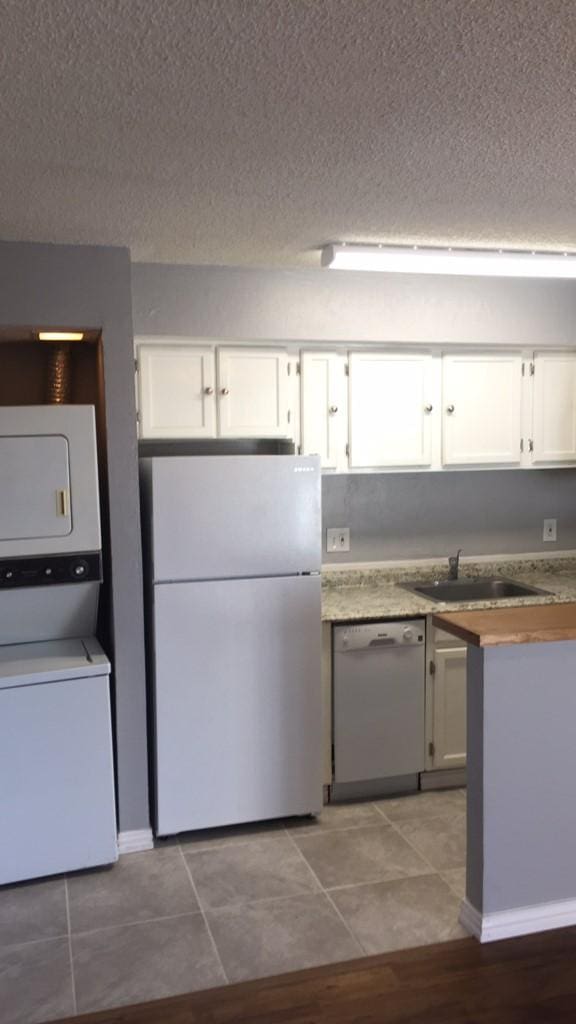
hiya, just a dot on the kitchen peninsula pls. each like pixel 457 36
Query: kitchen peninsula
pixel 372 593
pixel 521 700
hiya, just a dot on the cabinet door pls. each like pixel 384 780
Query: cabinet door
pixel 449 708
pixel 323 407
pixel 253 392
pixel 390 406
pixel 554 407
pixel 176 391
pixel 482 400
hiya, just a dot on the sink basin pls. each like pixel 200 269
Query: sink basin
pixel 477 588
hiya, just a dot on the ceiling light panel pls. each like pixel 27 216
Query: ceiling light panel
pixel 60 335
pixel 471 262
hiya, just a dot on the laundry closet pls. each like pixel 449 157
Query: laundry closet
pixel 56 757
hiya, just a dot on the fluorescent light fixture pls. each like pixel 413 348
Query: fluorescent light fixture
pixel 60 335
pixel 395 259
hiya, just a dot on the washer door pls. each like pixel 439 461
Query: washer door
pixel 57 805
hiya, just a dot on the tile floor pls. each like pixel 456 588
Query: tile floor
pixel 232 904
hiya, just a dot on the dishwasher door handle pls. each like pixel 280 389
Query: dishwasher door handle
pixel 379 645
pixel 368 649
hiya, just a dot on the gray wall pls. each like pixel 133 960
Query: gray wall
pixel 399 515
pixel 521 768
pixel 72 286
pixel 327 305
pixel 422 515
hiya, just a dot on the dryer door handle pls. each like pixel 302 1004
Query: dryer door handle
pixel 63 502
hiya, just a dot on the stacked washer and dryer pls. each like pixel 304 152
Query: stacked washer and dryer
pixel 57 803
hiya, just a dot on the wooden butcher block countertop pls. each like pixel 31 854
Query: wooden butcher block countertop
pixel 534 624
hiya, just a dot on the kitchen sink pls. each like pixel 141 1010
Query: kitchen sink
pixel 475 588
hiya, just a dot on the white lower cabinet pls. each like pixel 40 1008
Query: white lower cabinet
pixel 447 708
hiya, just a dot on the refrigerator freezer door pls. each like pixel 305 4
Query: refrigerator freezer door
pixel 237 701
pixel 233 516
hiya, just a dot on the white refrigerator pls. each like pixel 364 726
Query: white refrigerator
pixel 232 557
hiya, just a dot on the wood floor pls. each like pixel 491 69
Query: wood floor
pixel 519 981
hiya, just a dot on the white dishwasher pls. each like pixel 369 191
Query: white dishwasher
pixel 378 707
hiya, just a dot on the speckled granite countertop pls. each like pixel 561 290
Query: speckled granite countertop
pixel 357 594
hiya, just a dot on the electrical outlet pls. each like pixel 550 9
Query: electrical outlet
pixel 338 538
pixel 549 530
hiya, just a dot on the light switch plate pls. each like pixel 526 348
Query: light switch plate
pixel 338 538
pixel 549 530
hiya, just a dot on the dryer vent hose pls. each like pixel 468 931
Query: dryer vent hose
pixel 59 375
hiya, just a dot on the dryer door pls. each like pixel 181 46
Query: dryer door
pixel 35 482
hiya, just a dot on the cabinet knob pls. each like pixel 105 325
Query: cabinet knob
pixel 428 408
pixel 450 409
pixel 208 391
pixel 333 409
pixel 224 391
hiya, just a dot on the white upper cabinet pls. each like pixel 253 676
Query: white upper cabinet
pixel 187 390
pixel 482 409
pixel 391 407
pixel 176 390
pixel 323 407
pixel 253 392
pixel 397 409
pixel 553 432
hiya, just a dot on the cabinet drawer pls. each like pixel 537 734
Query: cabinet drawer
pixel 439 638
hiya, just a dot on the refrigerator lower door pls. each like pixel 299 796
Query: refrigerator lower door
pixel 237 701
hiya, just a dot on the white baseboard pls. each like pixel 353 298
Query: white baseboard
pixel 135 842
pixel 506 924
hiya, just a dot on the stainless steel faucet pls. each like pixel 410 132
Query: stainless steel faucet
pixel 454 565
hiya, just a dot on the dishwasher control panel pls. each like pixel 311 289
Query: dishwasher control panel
pixel 370 635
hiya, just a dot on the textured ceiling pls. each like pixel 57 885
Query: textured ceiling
pixel 253 131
